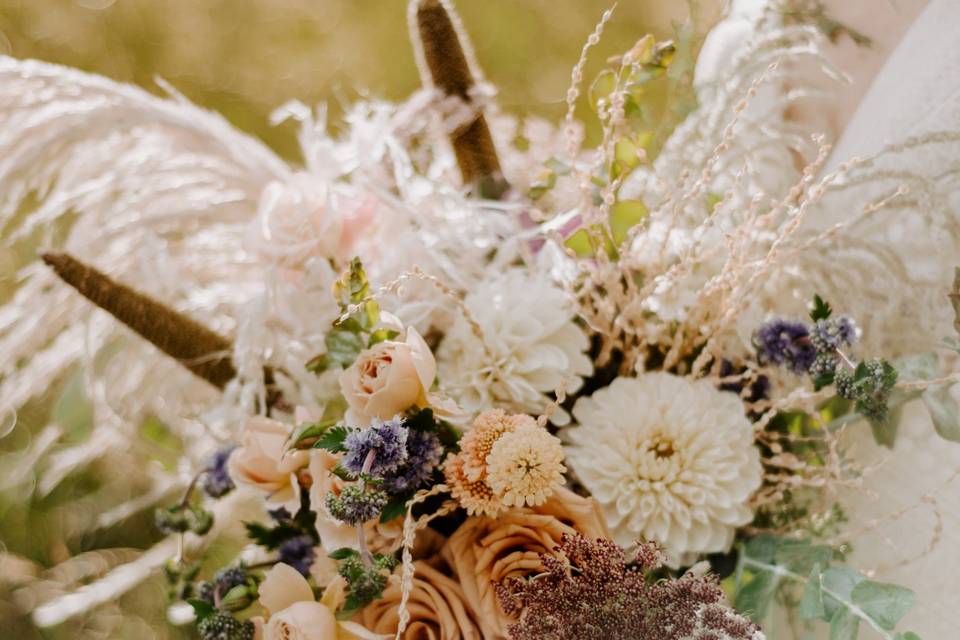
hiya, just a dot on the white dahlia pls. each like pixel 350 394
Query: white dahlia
pixel 530 347
pixel 669 459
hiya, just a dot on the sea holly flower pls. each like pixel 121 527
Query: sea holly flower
pixel 222 626
pixel 216 481
pixel 356 504
pixel 833 333
pixel 424 452
pixel 387 440
pixel 299 553
pixel 786 343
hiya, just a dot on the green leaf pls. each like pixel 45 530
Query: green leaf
pixel 271 537
pixel 421 420
pixel 799 556
pixel 343 347
pixel 332 439
pixel 581 243
pixel 602 87
pixel 627 156
pixel 342 553
pixel 838 581
pixel 201 608
pixel 885 603
pixel 907 635
pixel 824 380
pixel 885 433
pixel 944 411
pixel 624 215
pixel 396 508
pixel 310 430
pixel 811 605
pixel 753 599
pixel 820 309
pixel 382 335
pixel 713 199
pixel 237 598
pixel 952 343
pixel 844 625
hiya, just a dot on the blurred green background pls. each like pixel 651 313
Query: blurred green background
pixel 242 58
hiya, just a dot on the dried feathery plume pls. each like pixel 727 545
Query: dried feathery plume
pixel 202 351
pixel 446 62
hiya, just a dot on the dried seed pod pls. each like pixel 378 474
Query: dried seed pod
pixel 202 351
pixel 449 71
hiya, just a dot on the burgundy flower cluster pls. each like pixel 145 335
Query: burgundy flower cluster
pixel 590 591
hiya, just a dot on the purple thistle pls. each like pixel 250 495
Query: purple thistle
pixel 216 481
pixel 423 455
pixel 785 342
pixel 299 553
pixel 389 441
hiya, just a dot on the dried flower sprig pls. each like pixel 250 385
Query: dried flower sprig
pixel 592 591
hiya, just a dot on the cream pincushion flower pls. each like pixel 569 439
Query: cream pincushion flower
pixel 531 346
pixel 525 466
pixel 669 459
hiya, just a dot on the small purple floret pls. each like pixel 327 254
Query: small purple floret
pixel 785 342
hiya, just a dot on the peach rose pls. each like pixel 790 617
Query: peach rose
pixel 293 614
pixel 485 551
pixel 388 379
pixel 263 461
pixel 437 609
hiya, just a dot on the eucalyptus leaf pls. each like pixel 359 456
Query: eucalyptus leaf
pixel 844 625
pixel 944 411
pixel 838 582
pixel 811 605
pixel 754 598
pixel 885 603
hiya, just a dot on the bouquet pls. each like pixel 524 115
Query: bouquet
pixel 484 381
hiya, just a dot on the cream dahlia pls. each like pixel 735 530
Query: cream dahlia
pixel 530 346
pixel 669 459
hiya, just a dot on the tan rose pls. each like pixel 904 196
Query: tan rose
pixel 388 379
pixel 438 610
pixel 485 551
pixel 263 462
pixel 333 533
pixel 293 614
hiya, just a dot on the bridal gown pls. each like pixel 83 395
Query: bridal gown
pixel 904 521
pixel 917 91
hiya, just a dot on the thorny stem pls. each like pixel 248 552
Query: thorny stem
pixel 361 535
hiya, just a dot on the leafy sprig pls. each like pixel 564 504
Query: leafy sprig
pixel 831 591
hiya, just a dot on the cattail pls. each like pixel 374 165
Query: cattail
pixel 446 62
pixel 202 351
